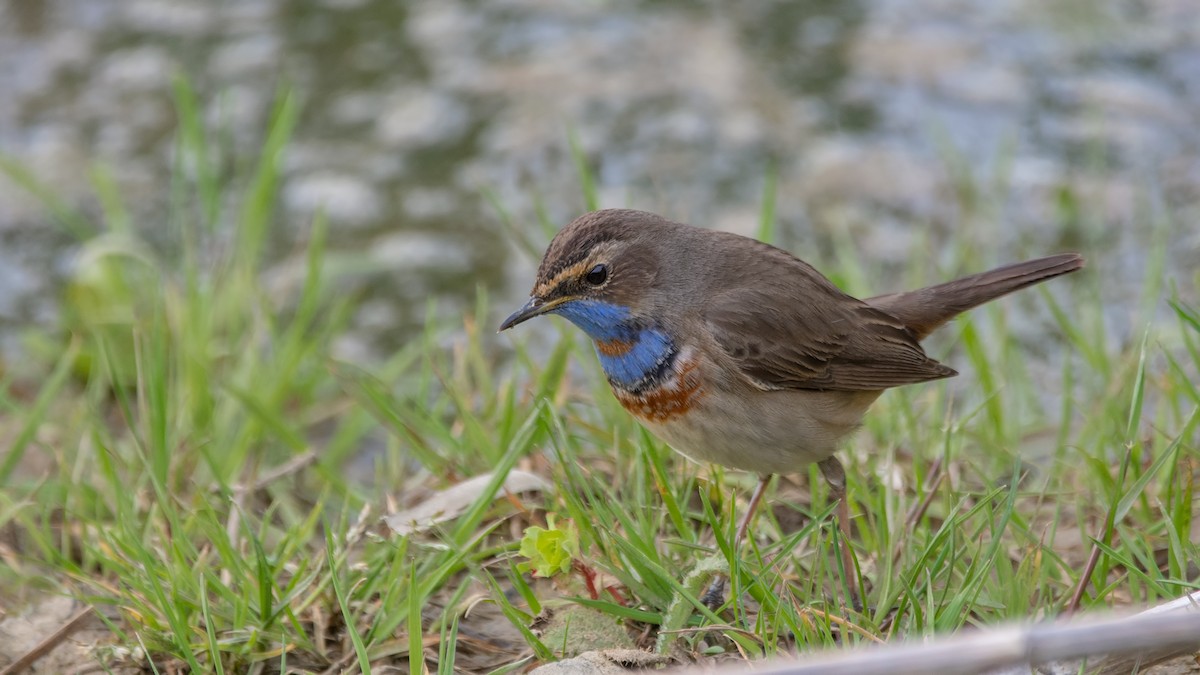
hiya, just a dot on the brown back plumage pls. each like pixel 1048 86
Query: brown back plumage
pixel 799 332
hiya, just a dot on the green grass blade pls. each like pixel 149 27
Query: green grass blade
pixel 214 648
pixel 343 600
pixel 33 419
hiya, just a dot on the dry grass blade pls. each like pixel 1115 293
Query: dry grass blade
pixel 293 466
pixel 933 483
pixel 46 646
pixel 452 501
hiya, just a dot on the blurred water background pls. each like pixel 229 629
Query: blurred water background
pixel 1017 126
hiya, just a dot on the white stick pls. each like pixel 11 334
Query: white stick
pixel 1110 646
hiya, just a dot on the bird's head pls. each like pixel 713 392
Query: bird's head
pixel 598 272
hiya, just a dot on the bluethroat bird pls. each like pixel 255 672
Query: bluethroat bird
pixel 736 352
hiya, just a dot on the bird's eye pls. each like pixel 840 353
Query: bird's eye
pixel 598 275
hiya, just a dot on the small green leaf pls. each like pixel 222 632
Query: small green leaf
pixel 549 551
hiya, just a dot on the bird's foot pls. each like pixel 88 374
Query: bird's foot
pixel 714 596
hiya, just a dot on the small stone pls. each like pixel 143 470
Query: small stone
pixel 420 118
pixel 921 56
pixel 247 58
pixel 887 176
pixel 574 629
pixel 356 107
pixel 604 662
pixel 987 85
pixel 1129 97
pixel 172 17
pixel 405 250
pixel 428 203
pixel 345 199
pixel 138 69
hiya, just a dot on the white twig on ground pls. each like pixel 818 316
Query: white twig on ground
pixel 1108 646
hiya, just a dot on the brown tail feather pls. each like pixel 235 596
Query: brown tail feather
pixel 924 310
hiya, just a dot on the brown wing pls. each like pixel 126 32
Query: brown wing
pixel 803 333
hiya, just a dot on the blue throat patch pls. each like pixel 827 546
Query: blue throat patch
pixel 638 358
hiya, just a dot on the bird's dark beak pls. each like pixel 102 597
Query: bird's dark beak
pixel 530 309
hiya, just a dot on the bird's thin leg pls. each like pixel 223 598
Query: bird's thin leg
pixel 715 595
pixel 755 498
pixel 835 475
